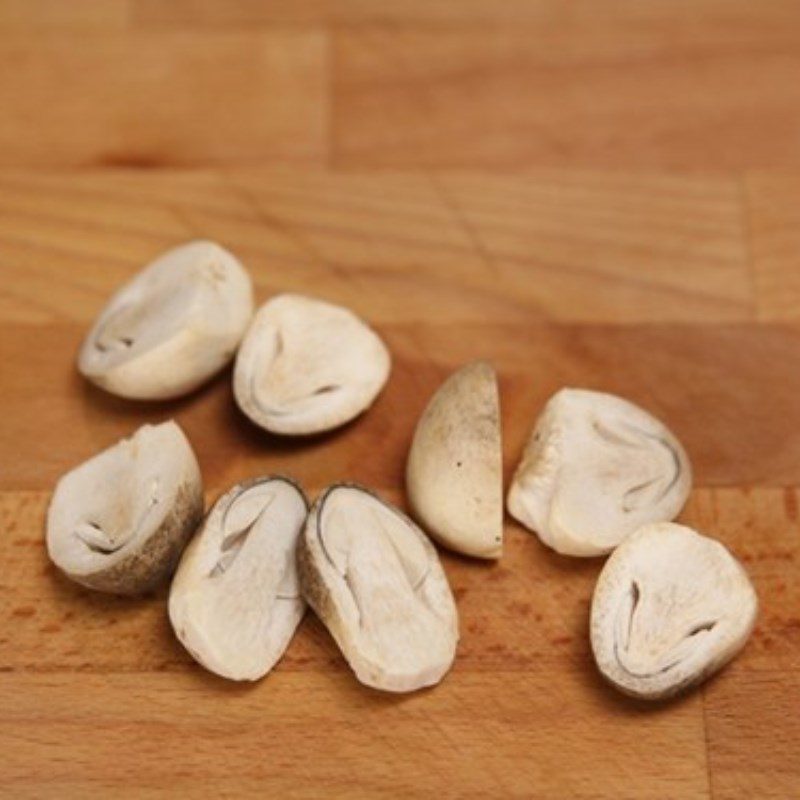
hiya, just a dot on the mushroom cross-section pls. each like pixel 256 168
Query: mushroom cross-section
pixel 595 469
pixel 454 473
pixel 119 521
pixel 177 323
pixel 375 580
pixel 235 601
pixel 306 366
pixel 670 608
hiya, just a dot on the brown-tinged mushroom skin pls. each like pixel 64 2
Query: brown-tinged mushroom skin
pixel 454 473
pixel 118 522
pixel 148 568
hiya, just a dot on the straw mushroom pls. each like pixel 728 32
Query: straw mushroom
pixel 119 521
pixel 454 473
pixel 167 331
pixel 595 469
pixel 375 580
pixel 235 600
pixel 306 366
pixel 670 608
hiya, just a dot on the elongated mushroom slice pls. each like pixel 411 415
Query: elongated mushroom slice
pixel 454 473
pixel 670 608
pixel 177 323
pixel 235 601
pixel 595 469
pixel 307 366
pixel 375 580
pixel 119 522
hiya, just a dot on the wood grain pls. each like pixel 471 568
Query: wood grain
pixel 448 266
pixel 594 92
pixel 523 660
pixel 705 17
pixel 278 734
pixel 563 246
pixel 149 98
pixel 530 611
pixel 753 734
pixel 735 432
pixel 589 194
pixel 57 15
pixel 774 230
pixel 762 528
pixel 709 85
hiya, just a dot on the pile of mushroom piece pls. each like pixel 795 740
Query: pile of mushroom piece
pixel 599 476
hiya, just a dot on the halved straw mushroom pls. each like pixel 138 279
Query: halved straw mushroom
pixel 235 600
pixel 307 366
pixel 670 608
pixel 375 580
pixel 454 474
pixel 119 521
pixel 177 323
pixel 595 469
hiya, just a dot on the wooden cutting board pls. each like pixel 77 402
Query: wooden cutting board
pixel 668 290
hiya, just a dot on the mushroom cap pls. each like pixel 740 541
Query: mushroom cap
pixel 119 522
pixel 235 600
pixel 375 580
pixel 454 473
pixel 177 323
pixel 595 469
pixel 306 366
pixel 670 608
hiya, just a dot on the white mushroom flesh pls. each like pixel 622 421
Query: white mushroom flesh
pixel 454 473
pixel 670 608
pixel 177 323
pixel 595 469
pixel 235 601
pixel 307 366
pixel 119 521
pixel 375 580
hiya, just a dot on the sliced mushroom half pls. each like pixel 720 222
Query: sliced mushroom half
pixel 595 469
pixel 235 601
pixel 119 522
pixel 177 323
pixel 454 473
pixel 307 366
pixel 670 608
pixel 375 580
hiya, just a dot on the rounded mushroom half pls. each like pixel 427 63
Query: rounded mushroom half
pixel 177 323
pixel 670 608
pixel 119 522
pixel 307 366
pixel 375 580
pixel 454 473
pixel 595 469
pixel 235 601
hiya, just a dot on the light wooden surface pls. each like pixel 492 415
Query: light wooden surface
pixel 602 194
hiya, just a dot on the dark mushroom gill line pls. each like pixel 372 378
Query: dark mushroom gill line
pixel 233 543
pixel 621 649
pixel 106 339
